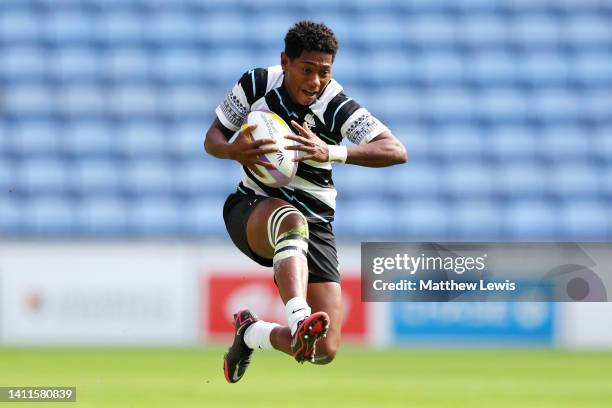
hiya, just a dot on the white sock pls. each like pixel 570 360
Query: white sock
pixel 296 310
pixel 257 335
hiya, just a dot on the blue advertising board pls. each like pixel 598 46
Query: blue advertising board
pixel 465 323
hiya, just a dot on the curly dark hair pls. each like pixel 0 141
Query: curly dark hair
pixel 309 36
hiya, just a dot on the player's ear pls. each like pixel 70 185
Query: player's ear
pixel 284 61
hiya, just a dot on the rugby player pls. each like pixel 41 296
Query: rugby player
pixel 290 228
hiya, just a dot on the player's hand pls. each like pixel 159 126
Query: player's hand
pixel 247 152
pixel 311 145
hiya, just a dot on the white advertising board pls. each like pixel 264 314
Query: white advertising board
pixel 95 294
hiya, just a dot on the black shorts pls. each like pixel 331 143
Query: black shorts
pixel 322 254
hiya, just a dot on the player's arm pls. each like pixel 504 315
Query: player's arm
pixel 242 149
pixel 381 151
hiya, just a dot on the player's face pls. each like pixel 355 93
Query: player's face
pixel 307 75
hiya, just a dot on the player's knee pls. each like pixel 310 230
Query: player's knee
pixel 295 221
pixel 288 233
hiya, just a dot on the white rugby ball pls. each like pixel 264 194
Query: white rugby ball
pixel 270 125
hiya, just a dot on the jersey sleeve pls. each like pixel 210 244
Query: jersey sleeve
pixel 237 104
pixel 348 119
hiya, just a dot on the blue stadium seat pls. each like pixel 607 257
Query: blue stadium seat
pixel 226 66
pixel 5 129
pixel 424 6
pixel 481 31
pixel 138 139
pixel 171 28
pixel 185 140
pixel 34 138
pixel 20 27
pixel 475 220
pixel 393 104
pixel 154 216
pixel 76 64
pixel 346 68
pixel 212 28
pixel 384 67
pixel 418 141
pixel 575 179
pixel 82 101
pixel 23 63
pixel 416 179
pixel 361 182
pixel 579 7
pixel 206 176
pixel 90 177
pixel 10 214
pixel 269 29
pixel 101 215
pixel 555 106
pixel 337 20
pixel 181 65
pixel 202 217
pixel 127 65
pixel 134 102
pixel 564 143
pixel 36 176
pixel 362 7
pixel 368 218
pixel 584 31
pixel 455 143
pixel 529 6
pixel 188 102
pixel 148 176
pixel 544 69
pixel 602 144
pixel 48 216
pixel 69 27
pixel 7 176
pixel 440 69
pixel 586 220
pixel 512 143
pixel 592 69
pixel 595 106
pixel 531 220
pixel 121 27
pixel 521 179
pixel 423 220
pixel 503 106
pixel 470 6
pixel 467 180
pixel 86 138
pixel 430 30
pixel 379 30
pixel 535 32
pixel 28 101
pixel 492 68
pixel 607 180
pixel 448 104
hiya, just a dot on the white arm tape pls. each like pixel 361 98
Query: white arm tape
pixel 337 154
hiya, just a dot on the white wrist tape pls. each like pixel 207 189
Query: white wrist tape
pixel 337 154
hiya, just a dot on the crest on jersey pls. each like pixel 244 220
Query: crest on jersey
pixel 309 118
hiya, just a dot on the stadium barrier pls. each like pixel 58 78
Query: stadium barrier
pixel 183 293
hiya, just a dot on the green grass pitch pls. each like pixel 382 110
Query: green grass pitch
pixel 357 378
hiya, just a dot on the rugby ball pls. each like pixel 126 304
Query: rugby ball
pixel 270 125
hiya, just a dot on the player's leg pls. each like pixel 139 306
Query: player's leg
pixel 271 219
pixel 327 297
pixel 277 230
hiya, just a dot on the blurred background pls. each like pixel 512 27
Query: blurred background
pixel 110 212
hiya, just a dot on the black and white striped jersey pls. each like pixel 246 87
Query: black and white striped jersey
pixel 333 117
